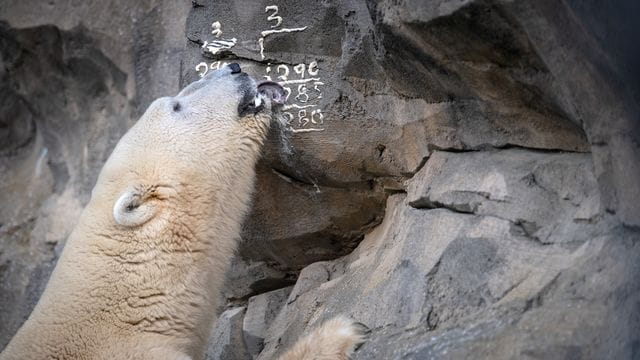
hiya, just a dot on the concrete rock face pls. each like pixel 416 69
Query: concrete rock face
pixel 226 336
pixel 61 96
pixel 460 265
pixel 460 176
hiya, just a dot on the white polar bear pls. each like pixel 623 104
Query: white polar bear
pixel 140 275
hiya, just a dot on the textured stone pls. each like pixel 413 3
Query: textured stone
pixel 572 37
pixel 261 311
pixel 143 39
pixel 62 96
pixel 480 245
pixel 569 318
pixel 551 197
pixel 247 278
pixel 226 341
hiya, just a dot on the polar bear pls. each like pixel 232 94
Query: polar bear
pixel 141 273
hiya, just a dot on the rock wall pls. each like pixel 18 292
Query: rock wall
pixel 73 77
pixel 461 176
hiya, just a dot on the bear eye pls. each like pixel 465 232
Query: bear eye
pixel 176 106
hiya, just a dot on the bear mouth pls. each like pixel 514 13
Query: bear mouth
pixel 250 102
pixel 256 94
pixel 271 91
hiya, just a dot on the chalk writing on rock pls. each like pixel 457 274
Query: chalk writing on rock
pixel 217 31
pixel 301 82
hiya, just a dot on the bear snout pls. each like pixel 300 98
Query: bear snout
pixel 235 68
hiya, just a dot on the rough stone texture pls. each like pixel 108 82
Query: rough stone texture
pixel 61 96
pixel 226 337
pixel 261 311
pixel 487 151
pixel 246 278
pixel 596 88
pixel 552 197
pixel 460 267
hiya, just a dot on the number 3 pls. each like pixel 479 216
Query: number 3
pixel 273 16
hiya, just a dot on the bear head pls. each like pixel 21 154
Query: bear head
pixel 205 140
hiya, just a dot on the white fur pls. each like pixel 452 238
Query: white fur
pixel 336 339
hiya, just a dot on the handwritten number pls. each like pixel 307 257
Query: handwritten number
pixel 317 89
pixel 299 69
pixel 288 91
pixel 313 68
pixel 273 16
pixel 201 65
pixel 284 76
pixel 302 91
pixel 317 114
pixel 302 118
pixel 289 117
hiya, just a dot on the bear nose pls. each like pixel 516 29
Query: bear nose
pixel 235 68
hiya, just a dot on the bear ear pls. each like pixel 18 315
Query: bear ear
pixel 134 207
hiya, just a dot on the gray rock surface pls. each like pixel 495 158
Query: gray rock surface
pixel 226 337
pixel 457 269
pixel 61 96
pixel 261 312
pixel 461 176
pixel 552 197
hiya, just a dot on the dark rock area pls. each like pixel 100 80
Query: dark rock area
pixel 463 177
